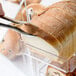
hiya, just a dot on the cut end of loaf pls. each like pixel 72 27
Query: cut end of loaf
pixel 40 47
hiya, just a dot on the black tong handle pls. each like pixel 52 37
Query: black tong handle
pixel 15 28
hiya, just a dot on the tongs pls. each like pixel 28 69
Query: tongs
pixel 15 27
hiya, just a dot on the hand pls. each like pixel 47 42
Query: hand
pixel 1 11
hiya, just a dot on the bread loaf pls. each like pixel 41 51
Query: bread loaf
pixel 58 29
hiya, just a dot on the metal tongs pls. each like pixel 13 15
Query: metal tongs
pixel 13 21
